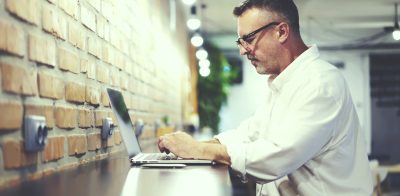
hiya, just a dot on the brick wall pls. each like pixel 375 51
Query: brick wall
pixel 57 57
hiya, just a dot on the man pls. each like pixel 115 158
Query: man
pixel 308 128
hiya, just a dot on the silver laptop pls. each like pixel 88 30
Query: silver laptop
pixel 131 142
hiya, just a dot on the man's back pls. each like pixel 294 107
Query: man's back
pixel 341 166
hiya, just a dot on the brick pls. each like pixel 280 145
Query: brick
pixel 68 60
pixel 54 149
pixel 107 54
pixel 66 117
pixel 91 70
pixel 101 22
pixel 53 23
pixel 88 18
pixel 119 60
pixel 105 101
pixel 50 86
pixel 14 155
pixel 133 85
pixel 70 7
pixel 86 118
pixel 27 10
pixel 42 50
pixel 77 144
pixel 84 63
pixel 77 36
pixel 12 39
pixel 12 79
pixel 11 115
pixel 115 78
pixel 41 110
pixel 75 92
pixel 94 46
pixel 147 133
pixel 103 74
pixel 94 141
pixel 92 95
pixel 117 137
pixel 99 116
pixel 124 81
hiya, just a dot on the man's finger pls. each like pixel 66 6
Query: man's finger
pixel 161 146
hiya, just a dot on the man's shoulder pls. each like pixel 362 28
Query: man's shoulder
pixel 321 76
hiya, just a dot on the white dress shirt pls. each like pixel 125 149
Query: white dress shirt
pixel 308 129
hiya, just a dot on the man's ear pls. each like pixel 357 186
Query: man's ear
pixel 283 32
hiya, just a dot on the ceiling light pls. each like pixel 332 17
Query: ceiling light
pixel 193 24
pixel 204 71
pixel 201 54
pixel 189 2
pixel 197 40
pixel 396 34
pixel 204 63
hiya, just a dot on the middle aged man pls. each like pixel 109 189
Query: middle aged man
pixel 307 128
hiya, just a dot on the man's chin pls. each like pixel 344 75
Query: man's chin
pixel 260 70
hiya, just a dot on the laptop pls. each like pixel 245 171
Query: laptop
pixel 136 156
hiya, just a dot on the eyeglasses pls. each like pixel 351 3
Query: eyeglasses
pixel 244 40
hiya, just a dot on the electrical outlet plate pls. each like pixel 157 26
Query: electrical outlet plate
pixel 35 133
pixel 107 129
pixel 138 125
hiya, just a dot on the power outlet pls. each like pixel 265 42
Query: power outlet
pixel 138 125
pixel 35 133
pixel 107 129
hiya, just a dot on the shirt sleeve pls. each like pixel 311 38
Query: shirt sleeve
pixel 231 139
pixel 308 126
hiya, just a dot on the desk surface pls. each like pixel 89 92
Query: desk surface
pixel 114 176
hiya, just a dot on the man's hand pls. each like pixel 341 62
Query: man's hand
pixel 181 144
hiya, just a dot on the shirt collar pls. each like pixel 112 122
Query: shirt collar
pixel 309 55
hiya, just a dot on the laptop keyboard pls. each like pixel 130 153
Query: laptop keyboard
pixel 160 156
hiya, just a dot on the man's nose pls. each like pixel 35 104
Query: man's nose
pixel 242 50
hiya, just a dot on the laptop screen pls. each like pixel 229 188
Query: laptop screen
pixel 124 122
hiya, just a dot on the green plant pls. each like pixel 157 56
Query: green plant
pixel 213 89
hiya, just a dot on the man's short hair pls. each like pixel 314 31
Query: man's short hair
pixel 284 8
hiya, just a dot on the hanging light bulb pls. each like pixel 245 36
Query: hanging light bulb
pixel 204 63
pixel 396 30
pixel 204 71
pixel 201 54
pixel 396 34
pixel 197 40
pixel 193 24
pixel 189 2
